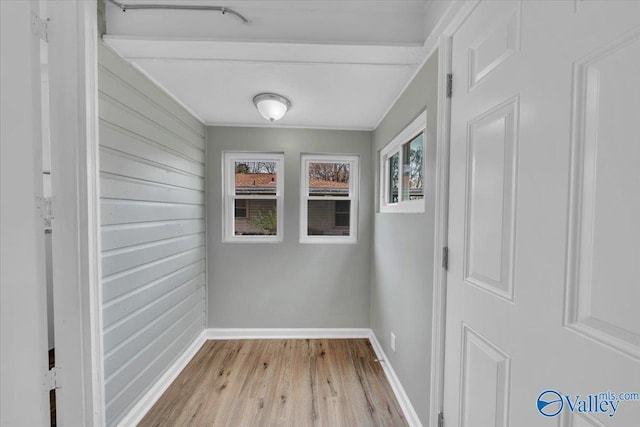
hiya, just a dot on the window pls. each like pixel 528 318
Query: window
pixel 329 199
pixel 342 213
pixel 241 206
pixel 253 185
pixel 402 169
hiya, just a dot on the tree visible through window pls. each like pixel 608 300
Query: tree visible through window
pixel 394 176
pixel 253 194
pixel 402 170
pixel 329 195
pixel 412 169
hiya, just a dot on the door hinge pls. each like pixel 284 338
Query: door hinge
pixel 440 419
pixel 39 27
pixel 45 206
pixel 445 258
pixel 51 379
pixel 449 85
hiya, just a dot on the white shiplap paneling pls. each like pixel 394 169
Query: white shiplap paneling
pixel 152 204
pixel 121 283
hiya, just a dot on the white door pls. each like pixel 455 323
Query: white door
pixel 544 269
pixel 23 315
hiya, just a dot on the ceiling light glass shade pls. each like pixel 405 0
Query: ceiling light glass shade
pixel 271 106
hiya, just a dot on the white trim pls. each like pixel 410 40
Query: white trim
pixel 94 237
pixel 354 187
pixel 436 405
pixel 279 125
pixel 441 236
pixel 134 48
pixel 76 243
pixel 433 40
pixel 166 91
pixel 145 404
pixel 401 395
pixel 417 126
pixel 152 79
pixel 207 233
pixel 228 195
pixel 405 87
pixel 325 333
pixel 147 401
pixel 430 46
pixel 285 333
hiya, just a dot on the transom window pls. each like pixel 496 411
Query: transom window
pixel 253 196
pixel 329 199
pixel 402 170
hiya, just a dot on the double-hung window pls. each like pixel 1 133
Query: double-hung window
pixel 402 169
pixel 253 192
pixel 329 198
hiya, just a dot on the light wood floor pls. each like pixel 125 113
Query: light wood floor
pixel 243 383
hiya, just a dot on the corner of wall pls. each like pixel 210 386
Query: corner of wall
pixel 102 18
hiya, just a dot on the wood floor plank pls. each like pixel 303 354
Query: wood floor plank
pixel 283 382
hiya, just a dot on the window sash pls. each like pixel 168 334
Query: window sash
pixel 229 196
pixel 389 178
pixel 351 197
pixel 396 147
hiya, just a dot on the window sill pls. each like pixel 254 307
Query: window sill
pixel 329 240
pixel 417 206
pixel 252 239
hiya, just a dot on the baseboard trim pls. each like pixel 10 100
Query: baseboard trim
pixel 151 397
pixel 284 333
pixel 405 404
pixel 147 401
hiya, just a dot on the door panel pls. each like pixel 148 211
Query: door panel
pixel 543 243
pixel 495 44
pixel 490 204
pixel 603 298
pixel 485 372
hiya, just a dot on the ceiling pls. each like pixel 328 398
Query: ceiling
pixel 340 63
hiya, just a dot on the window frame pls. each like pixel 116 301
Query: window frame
pixel 229 158
pixel 353 197
pixel 413 130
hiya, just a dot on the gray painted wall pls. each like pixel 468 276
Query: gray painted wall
pixel 288 284
pixel 403 251
pixel 152 178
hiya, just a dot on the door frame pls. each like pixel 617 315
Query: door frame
pixel 78 284
pixel 450 24
pixel 73 65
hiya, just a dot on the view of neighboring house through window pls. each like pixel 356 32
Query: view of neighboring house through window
pixel 253 196
pixel 241 207
pixel 329 199
pixel 402 170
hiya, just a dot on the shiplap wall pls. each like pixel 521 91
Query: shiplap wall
pixel 152 154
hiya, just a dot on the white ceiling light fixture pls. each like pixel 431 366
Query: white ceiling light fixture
pixel 271 106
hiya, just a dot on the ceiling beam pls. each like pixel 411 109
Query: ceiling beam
pixel 138 48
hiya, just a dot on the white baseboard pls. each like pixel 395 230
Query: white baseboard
pixel 147 401
pixel 405 404
pixel 284 333
pixel 151 397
